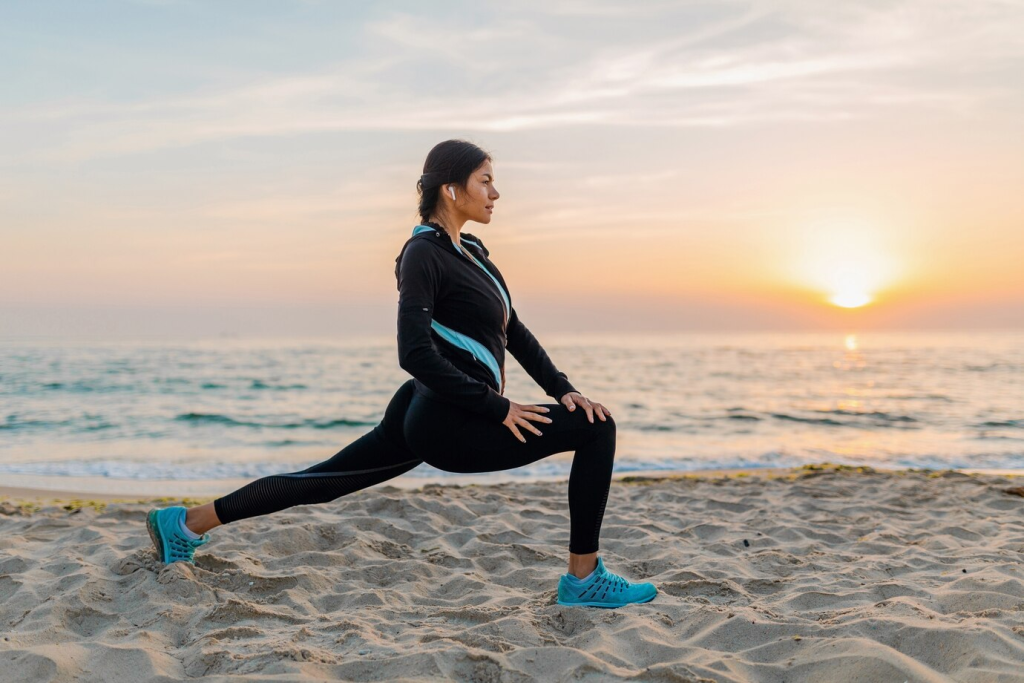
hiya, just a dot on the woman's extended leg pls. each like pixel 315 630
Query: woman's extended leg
pixel 377 456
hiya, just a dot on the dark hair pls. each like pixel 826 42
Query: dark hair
pixel 451 161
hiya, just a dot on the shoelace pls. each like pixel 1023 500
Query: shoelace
pixel 184 548
pixel 619 583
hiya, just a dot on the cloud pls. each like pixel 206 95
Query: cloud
pixel 789 62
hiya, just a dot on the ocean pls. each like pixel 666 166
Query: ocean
pixel 240 409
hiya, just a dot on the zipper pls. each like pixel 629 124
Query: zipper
pixel 484 366
pixel 492 281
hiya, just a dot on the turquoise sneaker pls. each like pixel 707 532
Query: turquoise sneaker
pixel 603 589
pixel 172 545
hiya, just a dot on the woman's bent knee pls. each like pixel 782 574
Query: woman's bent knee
pixel 600 429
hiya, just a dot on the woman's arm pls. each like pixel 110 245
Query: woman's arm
pixel 521 343
pixel 419 278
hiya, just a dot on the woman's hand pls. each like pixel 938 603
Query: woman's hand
pixel 518 416
pixel 573 397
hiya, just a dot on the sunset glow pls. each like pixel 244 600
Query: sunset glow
pixel 684 167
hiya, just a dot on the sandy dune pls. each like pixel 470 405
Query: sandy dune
pixel 817 576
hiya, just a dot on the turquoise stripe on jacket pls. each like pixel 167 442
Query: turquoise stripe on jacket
pixel 464 341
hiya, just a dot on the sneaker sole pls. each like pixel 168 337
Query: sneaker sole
pixel 605 604
pixel 154 533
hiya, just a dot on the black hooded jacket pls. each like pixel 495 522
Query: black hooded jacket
pixel 453 326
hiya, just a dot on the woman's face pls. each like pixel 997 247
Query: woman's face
pixel 476 202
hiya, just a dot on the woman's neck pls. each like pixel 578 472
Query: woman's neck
pixel 452 227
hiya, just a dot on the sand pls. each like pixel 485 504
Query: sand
pixel 810 576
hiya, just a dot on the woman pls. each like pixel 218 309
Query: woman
pixel 455 321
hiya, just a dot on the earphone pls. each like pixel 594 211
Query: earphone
pixel 451 192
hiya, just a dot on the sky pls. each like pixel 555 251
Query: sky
pixel 178 168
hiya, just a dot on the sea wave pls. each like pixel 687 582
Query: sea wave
pixel 876 418
pixel 308 423
pixel 118 469
pixel 1013 424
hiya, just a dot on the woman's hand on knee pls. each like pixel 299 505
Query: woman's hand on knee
pixel 521 415
pixel 573 398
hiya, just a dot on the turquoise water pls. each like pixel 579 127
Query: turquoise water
pixel 225 408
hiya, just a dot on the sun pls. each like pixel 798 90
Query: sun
pixel 850 289
pixel 844 258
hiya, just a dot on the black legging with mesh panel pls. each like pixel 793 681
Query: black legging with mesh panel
pixel 417 428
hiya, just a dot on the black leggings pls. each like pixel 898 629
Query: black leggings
pixel 416 429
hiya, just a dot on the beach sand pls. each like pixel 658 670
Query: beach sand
pixel 811 575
